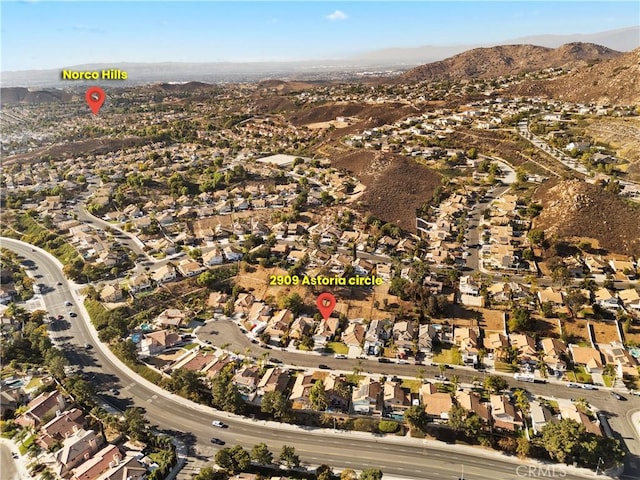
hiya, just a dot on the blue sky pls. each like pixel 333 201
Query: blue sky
pixel 45 34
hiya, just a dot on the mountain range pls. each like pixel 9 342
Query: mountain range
pixel 376 61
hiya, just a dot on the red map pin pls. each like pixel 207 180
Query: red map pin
pixel 95 97
pixel 326 303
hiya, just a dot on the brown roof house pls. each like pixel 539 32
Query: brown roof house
pixel 102 461
pixel 504 413
pixel 366 398
pixel 76 449
pixel 45 404
pixel 468 339
pixel 589 357
pixel 156 342
pixel 62 426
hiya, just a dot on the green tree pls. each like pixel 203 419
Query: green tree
pixel 536 237
pixel 293 302
pixel 224 392
pixel 416 417
pixel 348 474
pixel 288 457
pixel 276 404
pixel 324 472
pixel 261 454
pixel 371 474
pixel 495 383
pixel 318 396
pixel 520 320
pixel 135 424
pixel 208 473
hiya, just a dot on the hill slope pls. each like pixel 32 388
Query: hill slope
pixel 17 95
pixel 506 60
pixel 574 208
pixel 614 81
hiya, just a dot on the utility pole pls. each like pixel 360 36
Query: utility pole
pixel 598 466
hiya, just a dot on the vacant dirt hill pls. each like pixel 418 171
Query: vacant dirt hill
pixel 396 185
pixel 18 95
pixel 614 81
pixel 504 60
pixel 373 114
pixel 573 208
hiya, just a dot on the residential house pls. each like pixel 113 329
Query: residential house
pixel 588 357
pixel 278 326
pixel 395 398
pixel 274 379
pixel 526 346
pixel 129 468
pixel 213 257
pixel 190 268
pixel 247 379
pixel 45 404
pixel 217 301
pixel 437 405
pixel 555 352
pixel 630 299
pixel 366 398
pixel 496 343
pixel 164 274
pixel 244 302
pixel 505 414
pixel 325 331
pixel 232 254
pixel 376 335
pixel 301 327
pixel 353 336
pixel 426 335
pixel 102 461
pixel 172 317
pixel 404 334
pixel 550 295
pixel 540 416
pixel 76 449
pixel 473 402
pixel 605 298
pixel 156 342
pixel 301 389
pixel 111 294
pixel 468 339
pixel 60 427
pixel 139 283
pixel 337 391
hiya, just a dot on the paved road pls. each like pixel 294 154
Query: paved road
pixel 8 470
pixel 403 457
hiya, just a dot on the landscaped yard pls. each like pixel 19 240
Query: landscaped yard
pixel 337 347
pixel 448 355
pixel 579 374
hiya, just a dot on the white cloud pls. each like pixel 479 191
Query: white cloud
pixel 337 15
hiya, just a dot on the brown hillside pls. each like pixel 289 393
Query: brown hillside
pixel 614 81
pixel 373 114
pixel 506 60
pixel 574 208
pixel 396 185
pixel 18 95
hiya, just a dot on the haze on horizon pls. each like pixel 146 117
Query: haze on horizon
pixel 47 35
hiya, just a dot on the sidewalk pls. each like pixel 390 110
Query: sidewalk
pixel 19 470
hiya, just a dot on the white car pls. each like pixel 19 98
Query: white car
pixel 218 423
pixel 340 355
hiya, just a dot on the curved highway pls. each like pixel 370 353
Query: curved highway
pixel 398 456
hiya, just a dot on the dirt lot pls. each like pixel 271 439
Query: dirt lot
pixel 576 330
pixel 396 185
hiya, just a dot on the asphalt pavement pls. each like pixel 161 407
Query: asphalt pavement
pixel 400 456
